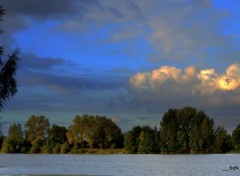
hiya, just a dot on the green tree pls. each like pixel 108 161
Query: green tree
pixel 130 142
pixel 13 143
pixel 222 142
pixel 57 148
pixel 157 139
pixel 168 131
pixel 56 137
pixel 106 133
pixel 81 131
pixel 90 131
pixel 202 133
pixel 88 123
pixel 65 148
pixel 57 134
pixel 186 130
pixel 142 140
pixel 8 67
pixel 185 118
pixel 236 138
pixel 146 137
pixel 36 132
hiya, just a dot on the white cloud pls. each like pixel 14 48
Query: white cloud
pixel 202 82
pixel 231 80
pixel 169 87
pixel 227 83
pixel 234 71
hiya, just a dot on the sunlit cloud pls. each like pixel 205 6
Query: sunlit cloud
pixel 231 80
pixel 204 82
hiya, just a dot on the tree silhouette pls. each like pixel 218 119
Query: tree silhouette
pixel 8 67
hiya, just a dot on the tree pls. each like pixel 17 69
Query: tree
pixel 94 131
pixel 8 67
pixel 131 139
pixel 82 131
pixel 106 133
pixel 13 143
pixel 55 138
pixel 57 134
pixel 201 133
pixel 142 140
pixel 157 139
pixel 222 142
pixel 186 130
pixel 185 118
pixel 36 131
pixel 168 131
pixel 130 142
pixel 236 138
pixel 146 138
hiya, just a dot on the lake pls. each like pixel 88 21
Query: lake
pixel 120 165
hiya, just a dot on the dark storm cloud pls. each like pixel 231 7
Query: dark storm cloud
pixel 68 84
pixel 31 61
pixel 19 13
pixel 44 8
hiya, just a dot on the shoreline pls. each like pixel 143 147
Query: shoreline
pixel 117 152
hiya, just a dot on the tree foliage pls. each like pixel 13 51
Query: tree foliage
pixel 222 141
pixel 15 140
pixel 236 138
pixel 8 67
pixel 184 130
pixel 94 131
pixel 142 140
pixel 36 131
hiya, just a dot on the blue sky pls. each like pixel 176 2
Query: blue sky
pixel 130 60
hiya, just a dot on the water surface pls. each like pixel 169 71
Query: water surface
pixel 120 165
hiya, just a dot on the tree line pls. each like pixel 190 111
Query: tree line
pixel 184 130
pixel 86 132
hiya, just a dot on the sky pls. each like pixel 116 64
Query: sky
pixel 130 60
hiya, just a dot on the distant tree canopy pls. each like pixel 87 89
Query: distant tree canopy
pixel 94 131
pixel 184 130
pixel 142 140
pixel 8 67
pixel 15 140
pixel 236 138
pixel 36 131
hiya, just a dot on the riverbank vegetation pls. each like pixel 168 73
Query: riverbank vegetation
pixel 184 130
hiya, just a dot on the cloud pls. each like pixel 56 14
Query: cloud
pixel 68 84
pixel 217 94
pixel 33 62
pixel 20 13
pixel 46 9
pixel 166 87
pixel 176 30
pixel 204 81
pixel 234 71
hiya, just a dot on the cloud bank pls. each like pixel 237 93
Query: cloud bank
pixel 167 87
